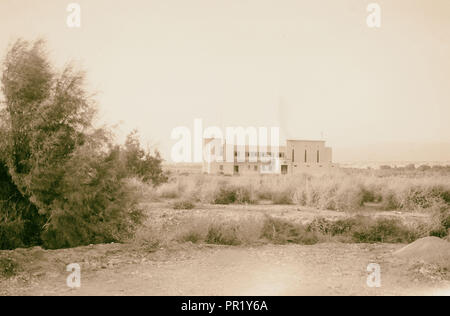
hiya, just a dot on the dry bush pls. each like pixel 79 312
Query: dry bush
pixel 341 190
pixel 8 267
pixel 440 226
pixel 171 190
pixel 221 231
pixel 183 205
pixel 280 231
pixel 268 229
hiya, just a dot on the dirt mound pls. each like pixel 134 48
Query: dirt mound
pixel 428 249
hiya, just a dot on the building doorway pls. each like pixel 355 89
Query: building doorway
pixel 236 169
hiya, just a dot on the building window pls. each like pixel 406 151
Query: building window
pixel 221 167
pixel 318 157
pixel 255 168
pixel 306 156
pixel 292 154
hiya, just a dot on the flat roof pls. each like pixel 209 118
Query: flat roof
pixel 304 140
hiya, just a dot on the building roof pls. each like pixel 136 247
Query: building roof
pixel 305 140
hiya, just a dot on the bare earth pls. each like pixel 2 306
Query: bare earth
pixel 187 269
pixel 190 269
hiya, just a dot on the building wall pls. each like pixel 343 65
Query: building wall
pixel 308 152
pixel 318 157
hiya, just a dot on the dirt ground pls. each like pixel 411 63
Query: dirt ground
pixel 199 269
pixel 187 269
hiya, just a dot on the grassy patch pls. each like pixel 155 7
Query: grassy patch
pixel 223 235
pixel 280 231
pixel 192 236
pixel 234 194
pixel 365 229
pixel 183 205
pixel 354 229
pixel 441 222
pixel 343 190
pixel 225 195
pixel 8 267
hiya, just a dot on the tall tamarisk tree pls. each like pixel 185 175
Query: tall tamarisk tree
pixel 67 170
pixel 49 115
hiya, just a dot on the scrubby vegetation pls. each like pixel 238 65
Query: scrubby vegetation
pixel 280 231
pixel 183 205
pixel 341 191
pixel 63 181
pixel 353 229
pixel 8 267
pixel 365 229
pixel 441 222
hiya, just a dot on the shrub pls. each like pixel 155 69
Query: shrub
pixel 349 197
pixel 225 195
pixel 389 200
pixel 63 171
pixel 280 231
pixel 12 234
pixel 223 234
pixel 332 228
pixel 141 163
pixel 192 236
pixel 364 229
pixel 245 195
pixel 102 209
pixel 369 195
pixel 383 230
pixel 424 168
pixel 441 218
pixel 282 197
pixel 343 191
pixel 359 229
pixel 343 226
pixel 20 223
pixel 183 205
pixel 8 267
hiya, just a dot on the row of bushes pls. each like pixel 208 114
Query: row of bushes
pixel 355 229
pixel 337 191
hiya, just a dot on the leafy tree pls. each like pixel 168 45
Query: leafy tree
pixel 141 163
pixel 61 165
pixel 102 208
pixel 20 223
pixel 48 113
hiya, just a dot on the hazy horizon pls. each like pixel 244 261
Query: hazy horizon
pixel 313 68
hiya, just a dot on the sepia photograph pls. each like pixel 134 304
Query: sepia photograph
pixel 220 156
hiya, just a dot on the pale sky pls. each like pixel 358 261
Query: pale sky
pixel 313 67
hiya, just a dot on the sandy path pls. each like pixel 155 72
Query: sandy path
pixel 323 269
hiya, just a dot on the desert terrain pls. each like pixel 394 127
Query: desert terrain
pixel 170 266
